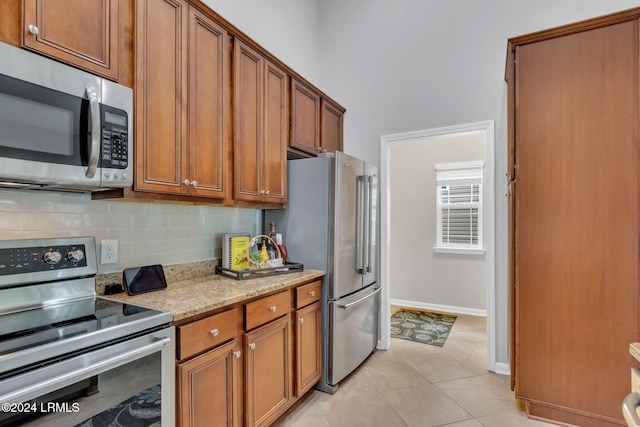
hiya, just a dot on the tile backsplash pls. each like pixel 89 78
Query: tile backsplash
pixel 147 233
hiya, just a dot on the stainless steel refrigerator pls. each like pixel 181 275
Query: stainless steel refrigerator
pixel 330 224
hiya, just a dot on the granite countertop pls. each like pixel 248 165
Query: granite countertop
pixel 634 349
pixel 194 296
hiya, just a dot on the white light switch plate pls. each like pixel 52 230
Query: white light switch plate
pixel 108 251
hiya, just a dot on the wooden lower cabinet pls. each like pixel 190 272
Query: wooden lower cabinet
pixel 268 355
pixel 209 388
pixel 230 375
pixel 308 347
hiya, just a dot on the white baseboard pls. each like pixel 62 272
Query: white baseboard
pixel 438 307
pixel 502 369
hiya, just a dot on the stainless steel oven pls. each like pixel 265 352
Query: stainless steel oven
pixel 62 127
pixel 70 358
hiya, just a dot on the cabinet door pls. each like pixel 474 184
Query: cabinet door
pixel 209 388
pixel 81 32
pixel 276 134
pixel 161 92
pixel 331 121
pixel 268 372
pixel 248 122
pixel 308 347
pixel 576 246
pixel 209 107
pixel 305 118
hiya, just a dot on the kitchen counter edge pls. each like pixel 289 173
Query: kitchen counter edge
pixel 189 298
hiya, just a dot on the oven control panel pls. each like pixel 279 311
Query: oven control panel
pixel 41 258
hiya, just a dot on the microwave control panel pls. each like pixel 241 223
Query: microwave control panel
pixel 115 138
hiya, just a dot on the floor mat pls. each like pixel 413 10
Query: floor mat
pixel 421 326
pixel 141 410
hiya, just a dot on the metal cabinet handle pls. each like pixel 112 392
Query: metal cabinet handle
pixel 214 332
pixel 194 183
pixel 33 30
pixel 319 149
pixel 252 346
pixel 629 405
pixel 272 309
pixel 312 293
pixel 301 320
pixel 237 354
pixel 186 182
pixel 267 192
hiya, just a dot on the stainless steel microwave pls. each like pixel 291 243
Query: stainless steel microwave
pixel 61 127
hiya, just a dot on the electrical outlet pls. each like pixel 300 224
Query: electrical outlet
pixel 108 251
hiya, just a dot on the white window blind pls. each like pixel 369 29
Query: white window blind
pixel 459 207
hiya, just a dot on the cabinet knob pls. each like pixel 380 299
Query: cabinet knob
pixel 186 182
pixel 237 354
pixel 252 346
pixel 194 183
pixel 214 332
pixel 319 149
pixel 267 192
pixel 272 309
pixel 301 320
pixel 312 293
pixel 33 30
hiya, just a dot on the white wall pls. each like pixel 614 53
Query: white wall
pixel 148 233
pixel 289 29
pixel 416 273
pixel 406 65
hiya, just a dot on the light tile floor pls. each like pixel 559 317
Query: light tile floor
pixel 415 384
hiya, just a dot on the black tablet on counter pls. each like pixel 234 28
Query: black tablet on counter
pixel 139 280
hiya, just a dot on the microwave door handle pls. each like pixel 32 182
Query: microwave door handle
pixel 94 126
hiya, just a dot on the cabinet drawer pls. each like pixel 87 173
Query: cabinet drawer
pixel 207 333
pixel 306 294
pixel 266 309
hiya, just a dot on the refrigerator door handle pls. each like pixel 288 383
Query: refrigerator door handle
pixel 360 226
pixel 369 209
pixel 356 302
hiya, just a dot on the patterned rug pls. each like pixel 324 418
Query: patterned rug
pixel 421 326
pixel 141 410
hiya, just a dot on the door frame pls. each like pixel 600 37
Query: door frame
pixel 386 142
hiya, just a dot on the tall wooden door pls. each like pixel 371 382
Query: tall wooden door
pixel 305 118
pixel 576 219
pixel 308 347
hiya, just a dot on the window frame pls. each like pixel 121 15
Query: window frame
pixel 452 175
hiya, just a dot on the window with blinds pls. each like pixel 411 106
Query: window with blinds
pixel 459 205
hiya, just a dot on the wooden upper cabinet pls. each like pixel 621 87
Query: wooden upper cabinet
pixel 181 54
pixel 209 107
pixel 305 118
pixel 84 33
pixel 261 112
pixel 276 120
pixel 161 96
pixel 331 125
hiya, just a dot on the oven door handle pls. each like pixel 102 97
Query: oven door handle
pixel 48 379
